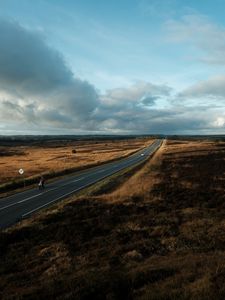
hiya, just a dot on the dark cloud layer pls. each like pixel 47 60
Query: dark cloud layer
pixel 35 83
pixel 27 64
pixel 38 92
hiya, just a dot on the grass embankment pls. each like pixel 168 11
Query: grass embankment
pixel 59 160
pixel 160 235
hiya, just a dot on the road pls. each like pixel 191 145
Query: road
pixel 21 205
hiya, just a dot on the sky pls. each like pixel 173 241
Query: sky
pixel 112 67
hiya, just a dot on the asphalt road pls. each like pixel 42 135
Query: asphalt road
pixel 22 205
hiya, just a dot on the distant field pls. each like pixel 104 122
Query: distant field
pixel 56 156
pixel 160 235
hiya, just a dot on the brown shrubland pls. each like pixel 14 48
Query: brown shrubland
pixel 159 235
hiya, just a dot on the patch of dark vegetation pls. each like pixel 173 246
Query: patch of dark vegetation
pixel 11 152
pixel 149 276
pixel 101 246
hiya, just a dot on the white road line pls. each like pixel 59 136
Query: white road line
pixel 98 172
pixel 33 210
pixel 21 201
pixel 27 199
pixel 7 206
pixel 78 179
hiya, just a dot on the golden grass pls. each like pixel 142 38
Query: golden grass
pixel 141 182
pixel 36 160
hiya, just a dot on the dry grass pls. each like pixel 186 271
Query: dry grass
pixel 160 235
pixel 36 160
pixel 141 182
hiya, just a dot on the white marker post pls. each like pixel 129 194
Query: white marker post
pixel 21 172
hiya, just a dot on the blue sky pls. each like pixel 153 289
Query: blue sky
pixel 138 66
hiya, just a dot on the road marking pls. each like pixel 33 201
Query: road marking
pixel 54 200
pixel 21 201
pixel 34 196
pixel 26 199
pixel 99 172
pixel 7 206
pixel 77 180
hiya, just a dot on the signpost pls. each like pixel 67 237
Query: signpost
pixel 21 172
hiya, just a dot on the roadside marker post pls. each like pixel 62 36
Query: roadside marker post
pixel 21 172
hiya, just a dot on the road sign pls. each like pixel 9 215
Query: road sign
pixel 21 171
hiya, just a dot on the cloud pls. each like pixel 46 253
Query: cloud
pixel 199 32
pixel 39 93
pixel 35 82
pixel 27 64
pixel 129 109
pixel 38 90
pixel 170 120
pixel 140 92
pixel 123 111
pixel 149 100
pixel 211 88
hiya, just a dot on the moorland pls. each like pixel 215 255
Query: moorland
pixel 159 234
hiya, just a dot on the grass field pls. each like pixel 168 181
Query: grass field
pixel 58 156
pixel 158 235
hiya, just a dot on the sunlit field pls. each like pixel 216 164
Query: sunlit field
pixel 55 156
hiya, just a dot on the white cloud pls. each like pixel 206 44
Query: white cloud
pixel 211 88
pixel 219 122
pixel 140 92
pixel 199 32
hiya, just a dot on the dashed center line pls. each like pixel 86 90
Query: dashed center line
pixel 34 196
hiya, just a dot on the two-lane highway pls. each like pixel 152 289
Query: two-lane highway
pixel 22 205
